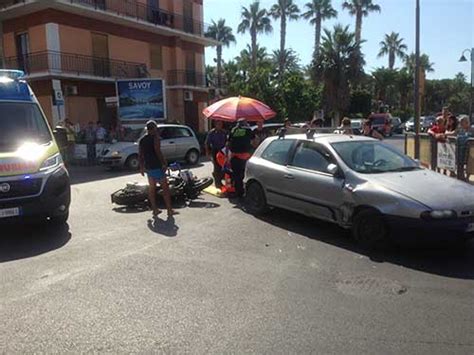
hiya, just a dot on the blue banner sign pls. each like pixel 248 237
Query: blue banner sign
pixel 141 99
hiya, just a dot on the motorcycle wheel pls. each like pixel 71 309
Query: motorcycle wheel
pixel 126 197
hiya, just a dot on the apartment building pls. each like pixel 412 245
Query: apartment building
pixel 73 51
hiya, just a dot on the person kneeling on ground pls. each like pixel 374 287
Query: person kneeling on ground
pixel 154 164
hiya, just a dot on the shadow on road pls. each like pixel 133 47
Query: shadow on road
pixel 167 227
pixel 25 241
pixel 83 174
pixel 443 261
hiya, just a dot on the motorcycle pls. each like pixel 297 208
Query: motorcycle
pixel 182 184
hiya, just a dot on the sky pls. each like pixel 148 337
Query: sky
pixel 447 28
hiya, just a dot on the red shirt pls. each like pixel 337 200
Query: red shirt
pixel 437 129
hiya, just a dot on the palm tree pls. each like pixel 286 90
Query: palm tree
pixel 289 57
pixel 284 10
pixel 405 86
pixel 245 57
pixel 338 64
pixel 394 47
pixel 360 9
pixel 317 12
pixel 425 64
pixel 255 20
pixel 385 80
pixel 223 34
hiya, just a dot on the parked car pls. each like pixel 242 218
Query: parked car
pixel 397 126
pixel 360 184
pixel 381 123
pixel 178 143
pixel 425 123
pixel 356 124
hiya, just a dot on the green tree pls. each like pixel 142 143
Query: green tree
pixel 299 98
pixel 338 64
pixel 289 57
pixel 360 9
pixel 245 58
pixel 255 20
pixel 360 103
pixel 393 46
pixel 316 12
pixel 404 85
pixel 385 82
pixel 284 10
pixel 223 34
pixel 426 65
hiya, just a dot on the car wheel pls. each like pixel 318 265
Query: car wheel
pixel 132 163
pixel 370 230
pixel 255 199
pixel 59 220
pixel 192 157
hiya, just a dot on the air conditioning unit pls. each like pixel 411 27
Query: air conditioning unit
pixel 71 90
pixel 188 95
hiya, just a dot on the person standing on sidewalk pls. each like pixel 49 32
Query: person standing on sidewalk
pixel 71 141
pixel 90 137
pixel 240 144
pixel 215 141
pixel 153 163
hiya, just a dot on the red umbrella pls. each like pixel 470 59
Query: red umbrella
pixel 233 108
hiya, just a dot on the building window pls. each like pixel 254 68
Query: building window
pixel 156 57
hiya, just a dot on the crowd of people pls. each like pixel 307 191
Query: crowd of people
pixel 448 125
pixel 91 135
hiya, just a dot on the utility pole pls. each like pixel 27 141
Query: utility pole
pixel 417 83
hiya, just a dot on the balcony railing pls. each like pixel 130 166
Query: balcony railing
pixel 76 64
pixel 137 11
pixel 186 78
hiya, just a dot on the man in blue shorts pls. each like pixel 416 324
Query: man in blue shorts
pixel 154 164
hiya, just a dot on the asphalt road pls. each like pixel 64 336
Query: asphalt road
pixel 217 280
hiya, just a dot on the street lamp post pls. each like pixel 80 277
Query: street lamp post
pixel 417 83
pixel 464 59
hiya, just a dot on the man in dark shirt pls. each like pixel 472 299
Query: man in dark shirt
pixel 154 164
pixel 215 141
pixel 240 144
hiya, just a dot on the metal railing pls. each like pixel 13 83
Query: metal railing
pixel 135 10
pixel 151 14
pixel 59 62
pixel 186 78
pixel 462 153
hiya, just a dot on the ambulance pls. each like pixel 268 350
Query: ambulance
pixel 34 182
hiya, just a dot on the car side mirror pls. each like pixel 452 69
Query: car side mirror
pixel 418 163
pixel 332 169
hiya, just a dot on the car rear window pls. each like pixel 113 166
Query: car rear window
pixel 278 150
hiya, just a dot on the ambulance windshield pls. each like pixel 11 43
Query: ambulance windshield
pixel 19 123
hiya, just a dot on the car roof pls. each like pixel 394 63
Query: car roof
pixel 326 138
pixel 163 125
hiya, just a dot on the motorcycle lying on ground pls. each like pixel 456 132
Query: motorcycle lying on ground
pixel 182 183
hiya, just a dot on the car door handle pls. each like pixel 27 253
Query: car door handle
pixel 289 176
pixel 171 142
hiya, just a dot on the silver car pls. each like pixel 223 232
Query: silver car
pixel 361 184
pixel 178 143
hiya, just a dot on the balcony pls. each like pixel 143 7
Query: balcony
pixel 51 63
pixel 186 78
pixel 123 9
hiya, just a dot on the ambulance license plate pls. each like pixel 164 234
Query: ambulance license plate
pixel 9 212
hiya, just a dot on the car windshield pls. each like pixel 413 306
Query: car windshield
pixel 132 134
pixel 372 157
pixel 21 122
